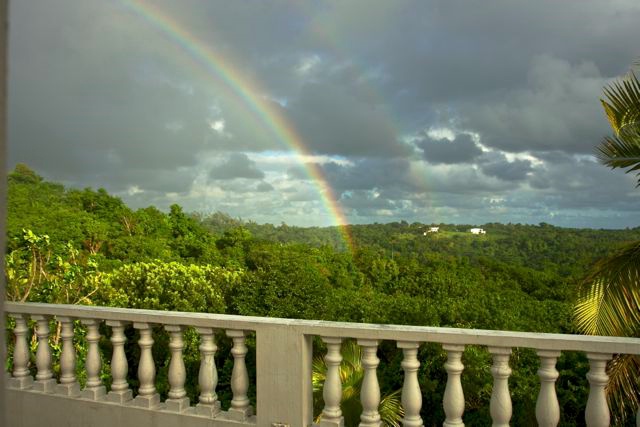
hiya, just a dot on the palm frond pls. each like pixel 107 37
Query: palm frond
pixel 622 105
pixel 318 373
pixel 624 388
pixel 610 304
pixel 351 376
pixel 621 153
pixel 391 410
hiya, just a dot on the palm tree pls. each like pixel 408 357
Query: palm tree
pixel 610 301
pixel 351 376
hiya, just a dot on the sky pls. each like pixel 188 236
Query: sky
pixel 322 112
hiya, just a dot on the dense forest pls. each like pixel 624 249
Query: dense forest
pixel 87 247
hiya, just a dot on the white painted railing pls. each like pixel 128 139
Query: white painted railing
pixel 283 367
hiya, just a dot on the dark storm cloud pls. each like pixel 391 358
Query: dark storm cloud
pixel 237 165
pixel 332 121
pixel 461 150
pixel 460 53
pixel 368 174
pixel 366 203
pixel 499 167
pixel 110 101
pixel 91 99
pixel 556 110
pixel 589 185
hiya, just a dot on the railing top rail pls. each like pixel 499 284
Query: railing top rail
pixel 598 344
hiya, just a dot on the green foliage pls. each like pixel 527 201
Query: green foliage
pixel 284 282
pixel 35 272
pixel 173 286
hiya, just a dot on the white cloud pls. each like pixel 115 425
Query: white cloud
pixel 308 64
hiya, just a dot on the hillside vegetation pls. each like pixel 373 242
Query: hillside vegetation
pixel 88 247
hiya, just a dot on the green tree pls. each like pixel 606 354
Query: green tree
pixel 36 272
pixel 610 304
pixel 173 286
pixel 23 174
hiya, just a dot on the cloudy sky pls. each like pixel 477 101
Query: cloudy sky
pixel 429 111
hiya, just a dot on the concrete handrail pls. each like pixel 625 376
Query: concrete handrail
pixel 443 335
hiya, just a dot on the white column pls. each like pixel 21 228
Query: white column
pixel 147 396
pixel 44 377
pixel 240 408
pixel 370 392
pixel 332 388
pixel 500 406
pixel 411 395
pixel 208 404
pixel 597 412
pixel 453 400
pixel 21 376
pixel 68 384
pixel 547 407
pixel 94 389
pixel 177 400
pixel 120 391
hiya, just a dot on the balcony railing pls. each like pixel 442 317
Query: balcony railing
pixel 283 370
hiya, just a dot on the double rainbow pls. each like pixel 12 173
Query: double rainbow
pixel 249 94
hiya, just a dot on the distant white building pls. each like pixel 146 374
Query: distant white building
pixel 477 231
pixel 431 230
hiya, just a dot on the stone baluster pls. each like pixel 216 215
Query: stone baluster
pixel 453 401
pixel 547 407
pixel 120 391
pixel 500 405
pixel 240 408
pixel 208 404
pixel 44 377
pixel 147 396
pixel 68 384
pixel 370 392
pixel 411 395
pixel 94 389
pixel 332 389
pixel 21 376
pixel 177 400
pixel 597 412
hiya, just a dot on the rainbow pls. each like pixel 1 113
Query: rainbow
pixel 248 92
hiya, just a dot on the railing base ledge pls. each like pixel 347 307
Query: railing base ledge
pixel 239 414
pixel 147 402
pixel 120 397
pixel 96 393
pixel 331 423
pixel 209 410
pixel 176 405
pixel 71 389
pixel 45 386
pixel 20 383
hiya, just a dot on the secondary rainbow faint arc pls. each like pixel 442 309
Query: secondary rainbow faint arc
pixel 248 92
